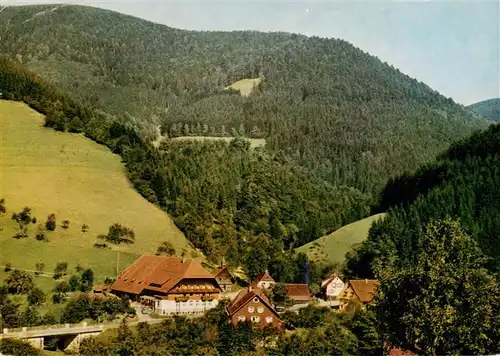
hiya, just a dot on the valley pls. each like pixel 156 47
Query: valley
pixel 78 181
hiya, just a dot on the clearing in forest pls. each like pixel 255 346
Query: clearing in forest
pixel 245 86
pixel 80 181
pixel 333 247
pixel 254 142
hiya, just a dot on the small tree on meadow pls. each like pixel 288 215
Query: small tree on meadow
pixel 87 280
pixel 36 297
pixel 60 270
pixel 19 282
pixel 166 248
pixel 65 224
pixel 3 209
pixel 50 224
pixel 40 266
pixel 85 228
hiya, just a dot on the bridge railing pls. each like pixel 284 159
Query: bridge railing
pixel 45 327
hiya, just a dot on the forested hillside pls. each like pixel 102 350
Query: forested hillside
pixel 489 109
pixel 337 121
pixel 462 184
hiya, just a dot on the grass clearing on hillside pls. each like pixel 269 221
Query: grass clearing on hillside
pixel 254 142
pixel 78 180
pixel 333 247
pixel 245 86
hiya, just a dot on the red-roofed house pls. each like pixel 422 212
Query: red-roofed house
pixel 362 290
pixel 264 281
pixel 251 304
pixel 224 278
pixel 297 293
pixel 332 287
pixel 170 285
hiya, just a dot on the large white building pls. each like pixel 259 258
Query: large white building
pixel 169 285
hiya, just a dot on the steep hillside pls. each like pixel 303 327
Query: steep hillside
pixel 337 121
pixel 78 180
pixel 489 109
pixel 462 184
pixel 332 248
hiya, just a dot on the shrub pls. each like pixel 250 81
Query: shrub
pixel 40 234
pixel 59 298
pixel 60 270
pixel 40 266
pixel 103 245
pixel 36 296
pixel 50 224
pixel 166 248
pixel 3 209
pixel 19 282
pixel 8 267
pixel 65 224
pixel 85 228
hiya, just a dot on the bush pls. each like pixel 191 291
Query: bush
pixel 40 266
pixel 40 234
pixel 50 224
pixel 59 298
pixel 36 297
pixel 166 248
pixel 103 245
pixel 8 267
pixel 85 228
pixel 19 282
pixel 65 224
pixel 17 347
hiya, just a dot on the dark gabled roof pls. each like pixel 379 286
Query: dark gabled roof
pixel 298 292
pixel 219 270
pixel 264 276
pixel 158 273
pixel 329 280
pixel 364 289
pixel 245 296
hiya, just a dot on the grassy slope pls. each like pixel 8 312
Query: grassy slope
pixel 78 180
pixel 333 247
pixel 245 86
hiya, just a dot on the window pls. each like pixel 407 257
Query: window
pixel 260 310
pixel 255 300
pixel 255 318
pixel 269 319
pixel 251 309
pixel 241 318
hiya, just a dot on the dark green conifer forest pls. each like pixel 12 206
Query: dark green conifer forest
pixel 337 122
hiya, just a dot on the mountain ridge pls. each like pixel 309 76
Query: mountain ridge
pixel 489 109
pixel 337 122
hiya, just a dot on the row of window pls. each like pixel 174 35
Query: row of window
pixel 260 310
pixel 256 318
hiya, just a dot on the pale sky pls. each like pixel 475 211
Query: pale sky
pixel 453 46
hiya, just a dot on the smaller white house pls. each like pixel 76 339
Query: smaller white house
pixel 264 281
pixel 332 287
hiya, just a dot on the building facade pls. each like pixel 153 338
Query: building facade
pixel 358 291
pixel 252 305
pixel 224 278
pixel 264 281
pixel 169 285
pixel 332 287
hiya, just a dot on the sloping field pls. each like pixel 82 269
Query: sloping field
pixel 333 247
pixel 79 181
pixel 254 142
pixel 245 86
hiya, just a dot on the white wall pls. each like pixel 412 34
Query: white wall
pixel 164 306
pixel 335 287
